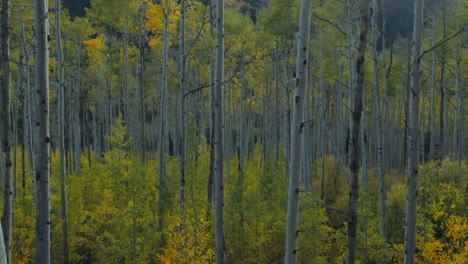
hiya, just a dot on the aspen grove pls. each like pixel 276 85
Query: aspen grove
pixel 234 131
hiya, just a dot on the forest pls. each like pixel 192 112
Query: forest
pixel 234 131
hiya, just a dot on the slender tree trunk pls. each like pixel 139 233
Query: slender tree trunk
pixel 277 110
pixel 292 218
pixel 413 142
pixel 61 137
pixel 163 124
pixel 5 127
pixel 27 103
pixel 211 176
pixel 219 136
pixel 349 36
pixel 364 142
pixel 432 146
pixel 287 107
pixel 183 150
pixel 381 173
pixel 456 124
pixel 3 250
pixel 357 111
pixel 42 134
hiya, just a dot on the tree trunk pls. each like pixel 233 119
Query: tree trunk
pixel 42 134
pixel 378 110
pixel 183 150
pixel 357 111
pixel 3 250
pixel 432 146
pixel 349 36
pixel 163 124
pixel 61 137
pixel 219 136
pixel 456 149
pixel 5 126
pixel 413 142
pixel 292 219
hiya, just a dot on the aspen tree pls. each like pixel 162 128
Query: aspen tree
pixel 432 124
pixel 3 251
pixel 292 218
pixel 357 111
pixel 183 143
pixel 381 174
pixel 5 133
pixel 219 136
pixel 42 140
pixel 163 118
pixel 61 130
pixel 413 142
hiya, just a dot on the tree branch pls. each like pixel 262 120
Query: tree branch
pixel 330 22
pixel 443 42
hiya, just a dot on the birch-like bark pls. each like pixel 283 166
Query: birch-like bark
pixel 287 107
pixel 413 142
pixel 357 111
pixel 349 38
pixel 5 132
pixel 378 111
pixel 292 219
pixel 163 123
pixel 219 136
pixel 61 130
pixel 456 124
pixel 433 82
pixel 364 143
pixel 3 251
pixel 43 209
pixel 27 103
pixel 183 150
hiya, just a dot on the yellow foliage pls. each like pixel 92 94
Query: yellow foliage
pixel 156 15
pixel 96 48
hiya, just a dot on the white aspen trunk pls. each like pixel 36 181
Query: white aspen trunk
pixel 61 130
pixel 378 111
pixel 339 111
pixel 5 82
pixel 292 218
pixel 307 138
pixel 349 37
pixel 242 137
pixel 277 122
pixel 76 111
pixel 287 108
pixel 163 124
pixel 183 150
pixel 3 250
pixel 141 82
pixel 210 185
pixel 357 111
pixel 443 122
pixel 125 96
pixel 42 134
pixel 364 143
pixel 385 115
pixel 456 135
pixel 219 136
pixel 423 127
pixel 413 142
pixel 27 122
pixel 432 143
pixel 321 110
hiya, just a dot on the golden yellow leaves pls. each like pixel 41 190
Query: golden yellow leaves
pixel 96 48
pixel 156 15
